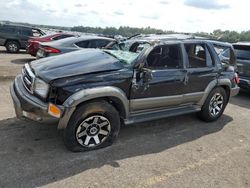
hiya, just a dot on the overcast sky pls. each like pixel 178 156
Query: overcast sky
pixel 176 15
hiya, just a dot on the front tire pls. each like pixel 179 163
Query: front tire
pixel 214 105
pixel 12 46
pixel 92 126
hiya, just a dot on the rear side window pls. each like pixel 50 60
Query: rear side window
pixel 225 53
pixel 26 32
pixel 93 43
pixel 165 57
pixel 100 43
pixel 83 44
pixel 198 56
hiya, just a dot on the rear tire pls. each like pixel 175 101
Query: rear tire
pixel 12 46
pixel 93 125
pixel 214 105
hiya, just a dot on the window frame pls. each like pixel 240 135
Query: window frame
pixel 209 64
pixel 24 31
pixel 181 56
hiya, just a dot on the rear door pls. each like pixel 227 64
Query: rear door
pixel 201 68
pixel 24 34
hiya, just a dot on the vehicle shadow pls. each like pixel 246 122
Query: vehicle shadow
pixel 4 51
pixel 33 154
pixel 242 99
pixel 22 60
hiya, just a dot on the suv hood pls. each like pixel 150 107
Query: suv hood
pixel 75 63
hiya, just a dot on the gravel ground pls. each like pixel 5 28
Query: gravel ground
pixel 172 152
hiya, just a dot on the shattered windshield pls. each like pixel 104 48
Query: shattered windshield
pixel 124 57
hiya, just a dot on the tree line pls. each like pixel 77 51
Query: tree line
pixel 226 36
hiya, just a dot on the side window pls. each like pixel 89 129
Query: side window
pixel 102 43
pixel 226 53
pixel 6 29
pixel 93 44
pixel 83 44
pixel 198 56
pixel 165 57
pixel 26 32
pixel 36 33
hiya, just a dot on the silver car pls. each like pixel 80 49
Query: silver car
pixel 70 44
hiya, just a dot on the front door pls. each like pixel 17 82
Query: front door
pixel 167 82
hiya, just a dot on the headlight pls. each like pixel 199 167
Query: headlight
pixel 41 88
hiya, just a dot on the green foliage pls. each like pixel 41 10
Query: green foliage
pixel 226 36
pixel 123 30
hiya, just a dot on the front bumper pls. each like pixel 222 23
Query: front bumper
pixel 28 106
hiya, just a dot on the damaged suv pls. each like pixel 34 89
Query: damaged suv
pixel 92 92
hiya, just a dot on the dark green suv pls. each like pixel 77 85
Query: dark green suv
pixel 15 37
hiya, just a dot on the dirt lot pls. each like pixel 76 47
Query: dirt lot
pixel 172 152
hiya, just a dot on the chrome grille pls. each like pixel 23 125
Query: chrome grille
pixel 28 78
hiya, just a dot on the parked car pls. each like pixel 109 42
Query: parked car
pixel 92 92
pixel 242 51
pixel 33 42
pixel 53 48
pixel 15 37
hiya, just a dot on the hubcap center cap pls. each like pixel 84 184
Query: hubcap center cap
pixel 93 130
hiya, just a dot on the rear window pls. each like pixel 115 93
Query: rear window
pixel 242 52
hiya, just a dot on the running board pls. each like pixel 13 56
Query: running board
pixel 159 114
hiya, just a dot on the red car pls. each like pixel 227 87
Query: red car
pixel 33 42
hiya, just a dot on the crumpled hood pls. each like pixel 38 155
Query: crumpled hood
pixel 74 63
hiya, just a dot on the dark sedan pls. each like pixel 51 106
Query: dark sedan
pixel 70 44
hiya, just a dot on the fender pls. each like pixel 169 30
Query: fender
pixel 212 85
pixel 88 94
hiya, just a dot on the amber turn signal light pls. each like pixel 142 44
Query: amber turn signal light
pixel 54 110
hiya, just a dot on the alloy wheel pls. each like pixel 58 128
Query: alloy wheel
pixel 93 131
pixel 13 47
pixel 216 104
